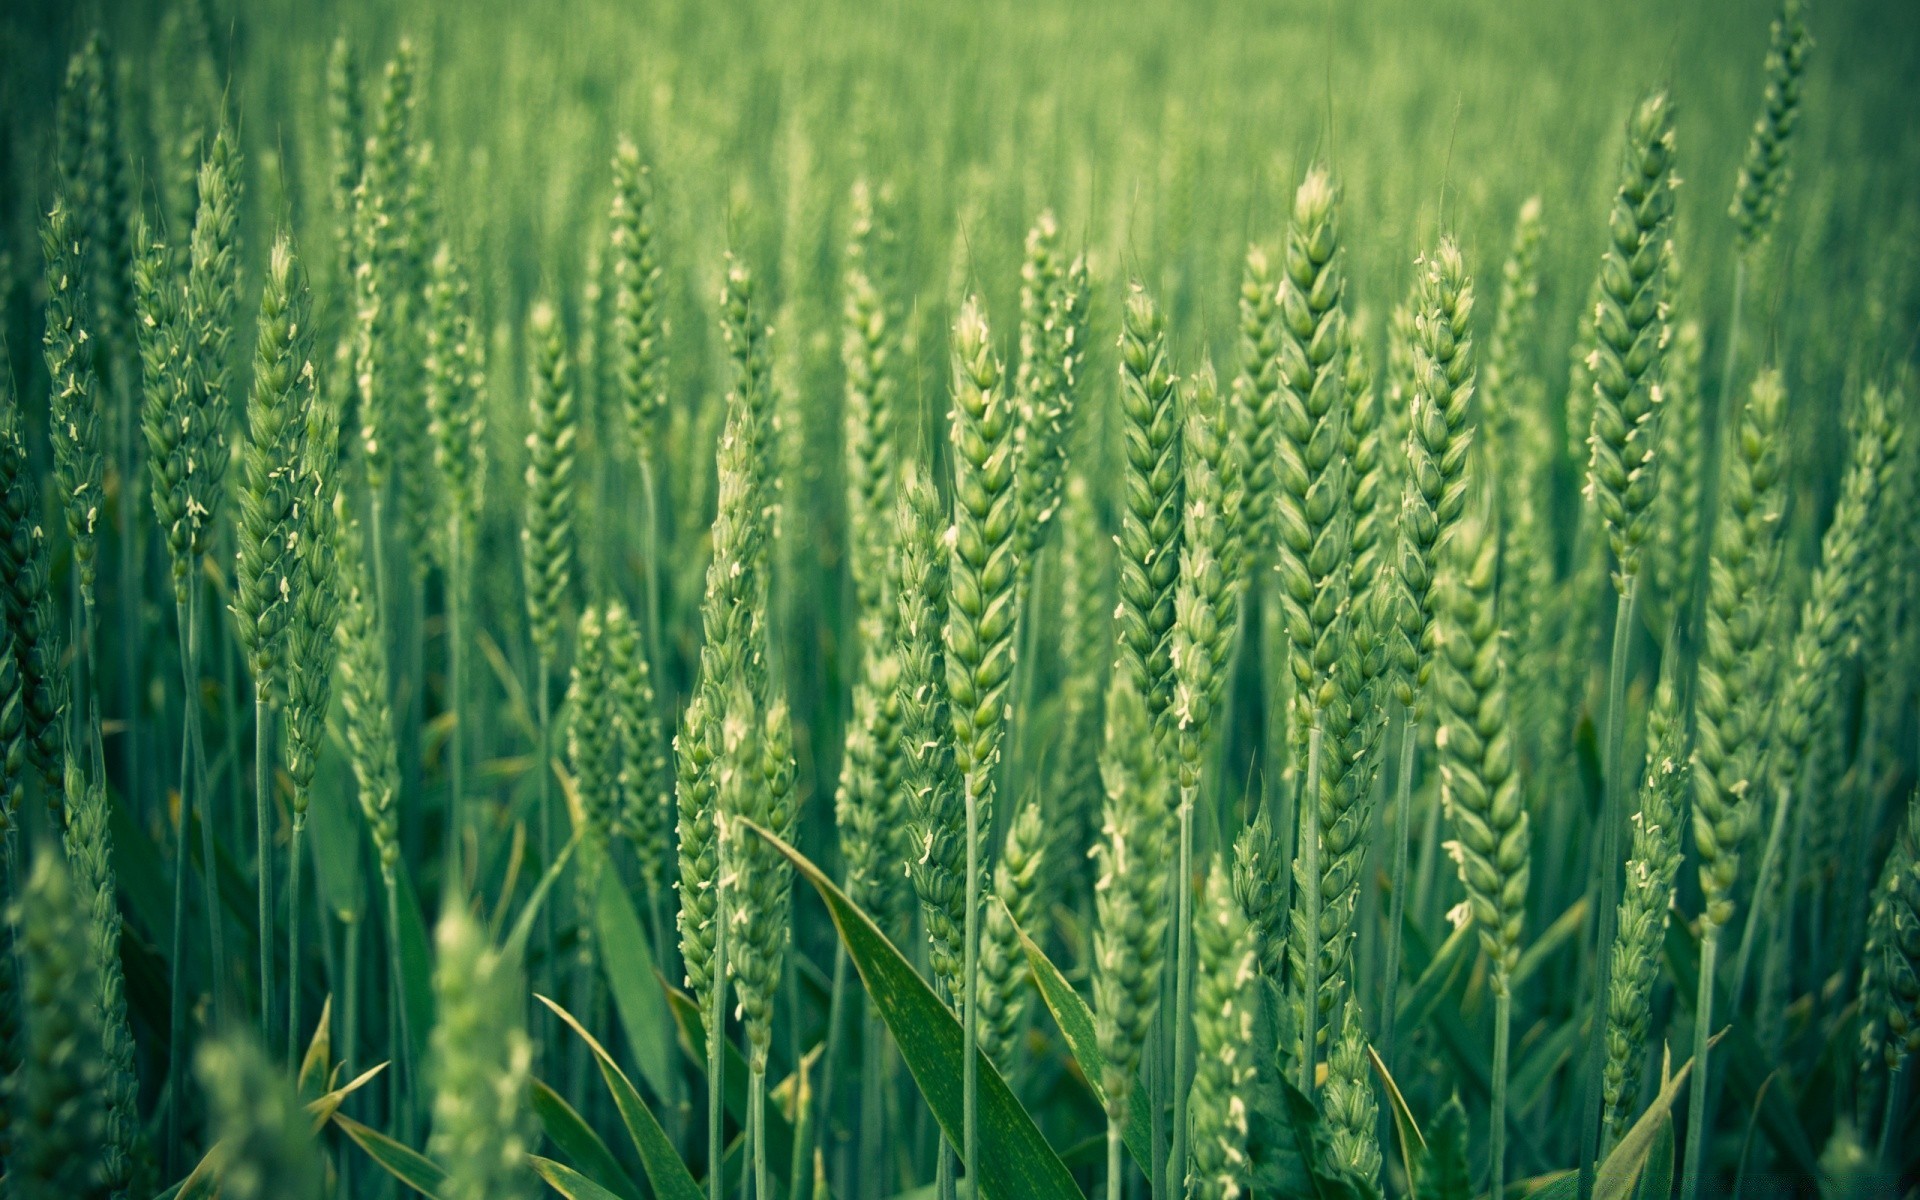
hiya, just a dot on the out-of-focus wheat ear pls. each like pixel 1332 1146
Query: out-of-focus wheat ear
pixel 1226 1000
pixel 1648 899
pixel 1508 385
pixel 639 352
pixel 455 389
pixel 1053 334
pixel 1252 403
pixel 1764 172
pixel 934 816
pixel 546 532
pixel 29 627
pixel 1630 338
pixel 869 352
pixel 1074 796
pixel 1259 882
pixel 1677 508
pixel 89 847
pixel 1130 899
pixel 1152 506
pixel 1004 994
pixel 593 749
pixel 481 1064
pixel 346 151
pixel 646 782
pixel 364 701
pixel 1353 1111
pixel 255 1114
pixel 59 1094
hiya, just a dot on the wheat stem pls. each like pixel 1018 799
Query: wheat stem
pixel 263 850
pixel 1183 993
pixel 1697 1131
pixel 1397 910
pixel 1310 899
pixel 1610 818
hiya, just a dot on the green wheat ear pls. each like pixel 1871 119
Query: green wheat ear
pixel 639 308
pixel 1729 705
pixel 73 407
pixel 1764 173
pixel 58 1096
pixel 89 846
pixel 267 1138
pixel 1353 1111
pixel 1226 999
pixel 481 1064
pixel 1630 337
pixel 24 593
pixel 1152 503
pixel 1131 894
pixel 1004 995
pixel 935 817
pixel 546 534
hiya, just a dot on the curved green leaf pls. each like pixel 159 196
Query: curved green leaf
pixel 1022 1165
pixel 566 1130
pixel 669 1176
pixel 409 1166
pixel 1617 1176
pixel 1075 1019
pixel 628 966
pixel 569 1182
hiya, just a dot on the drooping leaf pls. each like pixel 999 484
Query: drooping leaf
pixel 1022 1166
pixel 570 1133
pixel 569 1182
pixel 1617 1176
pixel 669 1176
pixel 408 1166
pixel 634 983
pixel 1075 1019
pixel 1413 1143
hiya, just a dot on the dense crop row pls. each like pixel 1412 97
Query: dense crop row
pixel 584 611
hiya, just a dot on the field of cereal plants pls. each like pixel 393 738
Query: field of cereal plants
pixel 1012 600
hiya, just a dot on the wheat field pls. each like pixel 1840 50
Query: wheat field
pixel 902 599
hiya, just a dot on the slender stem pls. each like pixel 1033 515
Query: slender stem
pixel 176 963
pixel 1762 888
pixel 209 862
pixel 1115 1179
pixel 1727 386
pixel 544 768
pixel 293 939
pixel 1183 994
pixel 716 1033
pixel 757 1118
pixel 970 1067
pixel 263 849
pixel 829 1057
pixel 1697 1096
pixel 1310 871
pixel 1608 863
pixel 349 1028
pixel 403 1052
pixel 456 695
pixel 1497 1116
pixel 873 1124
pixel 1397 914
pixel 943 1186
pixel 1887 1114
